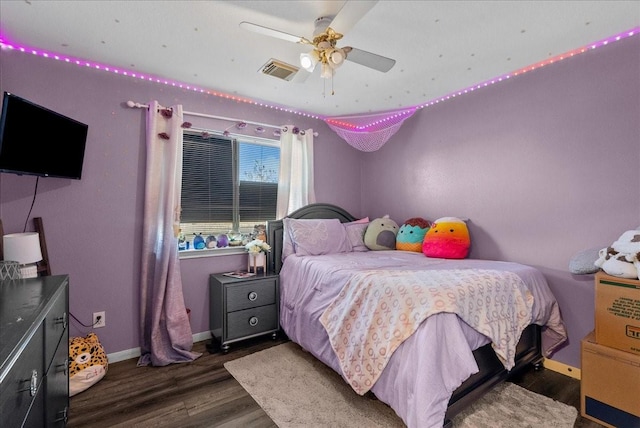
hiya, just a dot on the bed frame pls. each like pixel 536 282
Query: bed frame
pixel 492 371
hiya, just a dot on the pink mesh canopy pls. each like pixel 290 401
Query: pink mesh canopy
pixel 373 135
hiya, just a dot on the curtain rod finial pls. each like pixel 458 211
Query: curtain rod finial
pixel 133 104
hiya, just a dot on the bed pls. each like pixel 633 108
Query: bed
pixel 442 364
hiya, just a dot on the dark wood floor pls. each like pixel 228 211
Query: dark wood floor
pixel 204 394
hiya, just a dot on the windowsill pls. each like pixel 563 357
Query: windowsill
pixel 214 252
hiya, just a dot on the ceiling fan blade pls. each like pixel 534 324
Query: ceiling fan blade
pixel 350 14
pixel 272 33
pixel 371 60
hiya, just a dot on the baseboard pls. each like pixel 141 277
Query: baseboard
pixel 128 354
pixel 201 337
pixel 562 368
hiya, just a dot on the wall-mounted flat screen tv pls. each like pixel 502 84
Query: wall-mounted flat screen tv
pixel 37 141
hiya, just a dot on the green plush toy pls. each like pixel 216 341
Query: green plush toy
pixel 381 234
pixel 411 234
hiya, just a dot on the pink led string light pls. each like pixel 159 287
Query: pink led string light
pixel 381 129
pixel 371 136
pixel 4 44
pixel 617 37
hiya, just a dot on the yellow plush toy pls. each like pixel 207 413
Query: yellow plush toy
pixel 448 238
pixel 87 363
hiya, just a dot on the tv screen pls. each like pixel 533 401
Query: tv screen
pixel 37 141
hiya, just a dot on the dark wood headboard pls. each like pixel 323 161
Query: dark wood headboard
pixel 311 211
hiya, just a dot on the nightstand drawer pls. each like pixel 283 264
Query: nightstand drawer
pixel 251 321
pixel 251 294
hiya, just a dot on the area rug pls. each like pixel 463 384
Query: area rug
pixel 297 390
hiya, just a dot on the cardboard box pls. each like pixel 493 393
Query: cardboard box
pixel 617 308
pixel 610 385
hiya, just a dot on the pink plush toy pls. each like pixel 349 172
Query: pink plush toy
pixel 448 238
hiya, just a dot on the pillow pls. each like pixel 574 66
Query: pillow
pixel 361 221
pixel 411 234
pixel 287 243
pixel 381 234
pixel 355 234
pixel 448 238
pixel 318 236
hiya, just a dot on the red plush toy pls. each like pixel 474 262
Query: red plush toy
pixel 448 238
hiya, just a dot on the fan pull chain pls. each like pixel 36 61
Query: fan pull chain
pixel 324 87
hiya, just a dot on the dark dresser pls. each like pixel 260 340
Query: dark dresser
pixel 34 352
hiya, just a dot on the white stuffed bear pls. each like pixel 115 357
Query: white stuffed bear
pixel 622 258
pixel 628 243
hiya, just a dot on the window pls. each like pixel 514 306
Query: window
pixel 228 185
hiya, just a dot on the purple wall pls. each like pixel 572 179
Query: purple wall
pixel 93 226
pixel 544 165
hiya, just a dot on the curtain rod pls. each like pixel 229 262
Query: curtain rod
pixel 133 104
pixel 243 137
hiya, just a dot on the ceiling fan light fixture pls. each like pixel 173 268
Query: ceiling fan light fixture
pixel 337 57
pixel 309 60
pixel 327 71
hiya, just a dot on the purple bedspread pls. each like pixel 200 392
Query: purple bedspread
pixel 425 370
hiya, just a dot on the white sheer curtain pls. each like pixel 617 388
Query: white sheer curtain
pixel 165 330
pixel 295 184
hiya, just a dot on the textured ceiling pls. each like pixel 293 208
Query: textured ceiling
pixel 439 46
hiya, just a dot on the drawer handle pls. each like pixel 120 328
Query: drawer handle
pixel 33 384
pixel 63 415
pixel 61 320
pixel 62 368
pixel 253 321
pixel 253 296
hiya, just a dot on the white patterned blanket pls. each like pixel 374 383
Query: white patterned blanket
pixel 377 310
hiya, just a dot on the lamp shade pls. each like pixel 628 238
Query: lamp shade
pixel 23 248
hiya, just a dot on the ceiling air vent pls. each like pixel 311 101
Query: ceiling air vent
pixel 279 69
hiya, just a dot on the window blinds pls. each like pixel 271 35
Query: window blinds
pixel 226 181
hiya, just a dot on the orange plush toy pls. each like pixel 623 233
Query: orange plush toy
pixel 448 238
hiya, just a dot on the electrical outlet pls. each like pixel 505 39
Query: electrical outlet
pixel 99 319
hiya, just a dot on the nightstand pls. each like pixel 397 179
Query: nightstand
pixel 241 308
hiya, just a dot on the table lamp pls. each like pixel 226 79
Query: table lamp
pixel 23 248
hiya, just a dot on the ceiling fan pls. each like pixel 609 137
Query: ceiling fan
pixel 325 37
